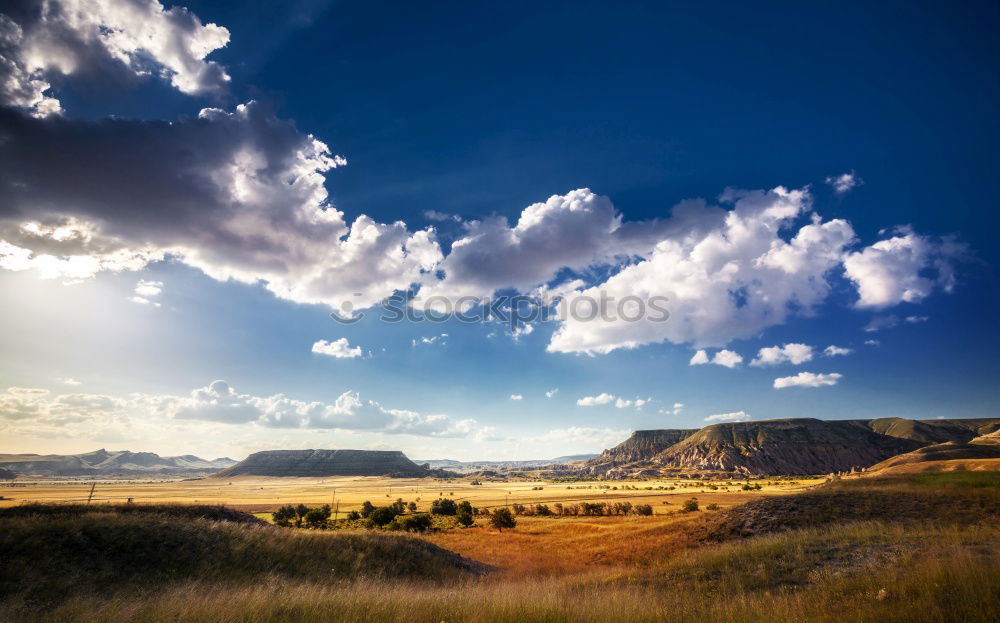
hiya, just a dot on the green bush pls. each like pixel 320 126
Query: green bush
pixel 502 518
pixel 690 505
pixel 381 516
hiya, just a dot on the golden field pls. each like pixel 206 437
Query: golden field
pixel 261 494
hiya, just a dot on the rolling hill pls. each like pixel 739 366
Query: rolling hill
pixel 114 463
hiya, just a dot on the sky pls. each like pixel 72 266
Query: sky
pixel 203 207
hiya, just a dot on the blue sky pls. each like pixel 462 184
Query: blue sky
pixel 476 113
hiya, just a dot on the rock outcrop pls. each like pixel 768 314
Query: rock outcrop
pixel 789 446
pixel 313 463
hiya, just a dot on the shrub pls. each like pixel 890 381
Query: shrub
pixel 381 516
pixel 367 508
pixel 444 506
pixel 712 507
pixel 464 517
pixel 414 523
pixel 690 505
pixel 317 517
pixel 412 506
pixel 502 518
pixel 643 509
pixel 284 515
pixel 353 516
pixel 518 509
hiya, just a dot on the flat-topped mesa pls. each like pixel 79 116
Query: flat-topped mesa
pixel 312 463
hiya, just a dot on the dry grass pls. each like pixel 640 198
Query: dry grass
pixel 938 569
pixel 862 573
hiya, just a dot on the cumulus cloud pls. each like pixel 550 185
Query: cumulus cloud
pixel 736 416
pixel 576 230
pixel 146 291
pixel 246 202
pixel 638 403
pixel 551 392
pixel 593 401
pixel 726 358
pixel 44 41
pixel 434 215
pixel 916 319
pixel 833 351
pixel 789 353
pixel 807 379
pixel 339 348
pixel 904 268
pixel 727 281
pixel 675 410
pixel 844 182
pixel 872 342
pixel 516 397
pixel 39 409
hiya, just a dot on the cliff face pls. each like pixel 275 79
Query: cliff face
pixel 326 463
pixel 792 446
pixel 795 446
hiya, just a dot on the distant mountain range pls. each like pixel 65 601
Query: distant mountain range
pixel 105 463
pixel 476 466
pixel 789 446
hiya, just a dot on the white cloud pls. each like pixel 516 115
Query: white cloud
pixel 145 291
pixel 253 208
pixel 789 353
pixel 593 401
pixel 575 230
pixel 878 323
pixel 221 403
pixel 916 319
pixel 700 358
pixel 71 381
pixel 516 397
pixel 904 268
pixel 114 40
pixel 872 342
pixel 807 379
pixel 434 215
pixel 551 392
pixel 434 339
pixel 844 182
pixel 833 351
pixel 724 357
pixel 638 403
pixel 338 348
pixel 737 416
pixel 730 277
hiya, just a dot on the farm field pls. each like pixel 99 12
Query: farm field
pixel 262 494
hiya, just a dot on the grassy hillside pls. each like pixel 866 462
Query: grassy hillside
pixel 52 552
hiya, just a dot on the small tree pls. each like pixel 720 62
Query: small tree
pixel 300 513
pixel 367 508
pixel 464 514
pixel 381 516
pixel 317 517
pixel 690 505
pixel 284 515
pixel 444 506
pixel 502 518
pixel 412 506
pixel 353 516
